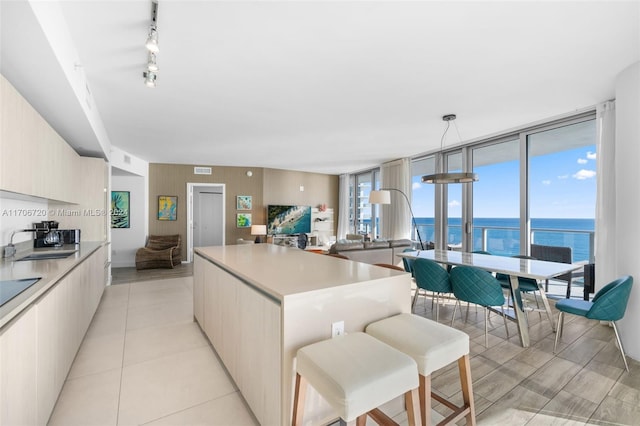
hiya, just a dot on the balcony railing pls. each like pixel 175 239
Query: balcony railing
pixel 506 240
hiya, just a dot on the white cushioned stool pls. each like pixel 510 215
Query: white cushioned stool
pixel 432 346
pixel 355 374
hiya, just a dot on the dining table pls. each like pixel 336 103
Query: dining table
pixel 513 267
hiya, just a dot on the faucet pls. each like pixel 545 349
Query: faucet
pixel 10 249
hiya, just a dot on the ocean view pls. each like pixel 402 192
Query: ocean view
pixel 503 234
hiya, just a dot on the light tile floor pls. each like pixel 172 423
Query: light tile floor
pixel 145 362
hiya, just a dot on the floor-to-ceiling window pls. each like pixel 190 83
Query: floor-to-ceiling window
pixel 562 187
pixel 536 185
pixel 364 216
pixel 496 198
pixel 423 199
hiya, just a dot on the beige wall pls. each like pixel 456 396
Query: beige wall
pixel 266 186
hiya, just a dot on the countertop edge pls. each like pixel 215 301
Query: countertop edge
pixel 21 302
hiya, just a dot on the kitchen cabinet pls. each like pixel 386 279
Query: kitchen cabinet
pixel 18 373
pixel 38 347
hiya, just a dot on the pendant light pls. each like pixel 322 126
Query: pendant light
pixel 446 177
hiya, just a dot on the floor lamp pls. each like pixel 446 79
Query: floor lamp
pixel 383 196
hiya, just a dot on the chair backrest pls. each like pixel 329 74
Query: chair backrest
pixel 554 254
pixel 521 280
pixel 408 263
pixel 390 266
pixel 431 276
pixel 161 242
pixel 475 285
pixel 610 302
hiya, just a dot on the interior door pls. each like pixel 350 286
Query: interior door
pixel 207 217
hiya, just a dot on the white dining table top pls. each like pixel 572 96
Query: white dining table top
pixel 529 268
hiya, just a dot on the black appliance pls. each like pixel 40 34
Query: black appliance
pixel 47 234
pixel 70 236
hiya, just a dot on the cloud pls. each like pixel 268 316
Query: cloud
pixel 546 182
pixel 454 203
pixel 591 155
pixel 582 161
pixel 416 185
pixel 563 177
pixel 584 174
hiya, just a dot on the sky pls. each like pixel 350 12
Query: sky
pixel 562 185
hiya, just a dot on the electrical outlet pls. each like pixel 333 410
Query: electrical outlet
pixel 337 328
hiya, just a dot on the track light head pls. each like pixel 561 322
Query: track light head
pixel 152 40
pixel 152 65
pixel 149 79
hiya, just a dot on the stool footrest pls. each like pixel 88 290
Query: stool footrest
pixel 458 412
pixel 381 418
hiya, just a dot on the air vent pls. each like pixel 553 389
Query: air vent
pixel 202 170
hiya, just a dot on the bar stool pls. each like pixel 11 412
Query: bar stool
pixel 432 346
pixel 355 374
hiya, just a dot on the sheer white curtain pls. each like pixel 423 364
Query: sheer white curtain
pixel 395 218
pixel 343 207
pixel 605 245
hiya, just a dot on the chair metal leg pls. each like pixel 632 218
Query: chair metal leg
pixel 558 330
pixel 486 327
pixel 624 358
pixel 453 318
pixel 415 297
pixel 504 318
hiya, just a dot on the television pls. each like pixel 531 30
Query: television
pixel 288 220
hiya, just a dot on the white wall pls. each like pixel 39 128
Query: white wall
pixel 628 199
pixel 20 213
pixel 125 241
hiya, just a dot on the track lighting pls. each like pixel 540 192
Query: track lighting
pixel 151 74
pixel 149 78
pixel 152 65
pixel 152 40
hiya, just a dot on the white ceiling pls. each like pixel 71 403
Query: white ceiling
pixel 321 86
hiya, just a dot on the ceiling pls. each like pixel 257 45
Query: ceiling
pixel 318 86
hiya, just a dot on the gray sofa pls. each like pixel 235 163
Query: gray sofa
pixel 372 251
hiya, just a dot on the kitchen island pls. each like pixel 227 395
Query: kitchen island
pixel 258 304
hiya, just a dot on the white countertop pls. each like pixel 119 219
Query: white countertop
pixel 283 271
pixel 49 270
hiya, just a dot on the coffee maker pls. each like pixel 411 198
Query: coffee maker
pixel 47 234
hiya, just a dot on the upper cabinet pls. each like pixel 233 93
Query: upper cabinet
pixel 34 159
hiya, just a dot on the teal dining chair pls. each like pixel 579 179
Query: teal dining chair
pixel 526 285
pixel 609 304
pixel 474 285
pixel 430 276
pixel 407 262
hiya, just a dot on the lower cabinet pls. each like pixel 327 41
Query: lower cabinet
pixel 38 347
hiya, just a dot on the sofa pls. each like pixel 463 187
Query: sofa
pixel 379 251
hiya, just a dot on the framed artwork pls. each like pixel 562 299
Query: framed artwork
pixel 243 202
pixel 120 213
pixel 167 207
pixel 243 220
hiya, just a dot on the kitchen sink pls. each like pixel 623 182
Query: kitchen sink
pixel 11 288
pixel 47 255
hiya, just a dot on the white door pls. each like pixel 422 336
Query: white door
pixel 207 217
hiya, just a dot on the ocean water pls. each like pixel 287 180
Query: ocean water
pixel 503 234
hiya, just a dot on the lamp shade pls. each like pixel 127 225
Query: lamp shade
pixel 380 197
pixel 258 229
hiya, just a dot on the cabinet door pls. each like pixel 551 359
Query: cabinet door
pixel 50 373
pixel 18 372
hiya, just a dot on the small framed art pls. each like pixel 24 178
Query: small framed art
pixel 167 207
pixel 243 202
pixel 120 213
pixel 243 220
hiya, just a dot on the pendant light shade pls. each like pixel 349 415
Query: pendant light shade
pixel 445 177
pixel 450 178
